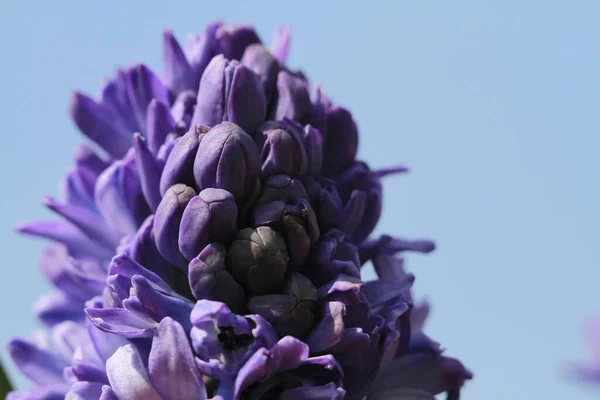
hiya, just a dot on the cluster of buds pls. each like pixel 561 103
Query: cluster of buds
pixel 214 248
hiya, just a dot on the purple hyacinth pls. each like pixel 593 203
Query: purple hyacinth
pixel 212 247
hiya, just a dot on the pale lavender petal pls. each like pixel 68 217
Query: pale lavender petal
pixel 128 377
pixel 121 322
pixel 171 365
pixel 84 391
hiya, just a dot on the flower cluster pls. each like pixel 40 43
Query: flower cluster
pixel 212 247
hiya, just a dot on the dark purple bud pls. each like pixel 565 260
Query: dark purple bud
pixel 262 63
pixel 319 111
pixel 183 107
pixel 292 98
pixel 180 163
pixel 149 171
pixel 159 123
pixel 230 92
pixel 325 200
pixel 298 225
pixel 360 177
pixel 142 87
pixel 177 72
pixel 340 134
pixel 282 188
pixel 282 150
pixel 293 311
pixel 353 212
pixel 333 254
pixel 210 280
pixel 233 40
pixel 227 159
pixel 209 217
pixel 167 220
pixel 313 145
pixel 100 124
pixel 258 259
pixel 341 141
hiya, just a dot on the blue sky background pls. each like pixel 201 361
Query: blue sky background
pixel 494 105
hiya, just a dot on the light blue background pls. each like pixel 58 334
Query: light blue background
pixel 495 106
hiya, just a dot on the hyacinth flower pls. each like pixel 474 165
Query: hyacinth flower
pixel 211 242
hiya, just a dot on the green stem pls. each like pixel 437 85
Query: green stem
pixel 5 385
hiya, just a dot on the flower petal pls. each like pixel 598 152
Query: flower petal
pixel 128 377
pixel 171 365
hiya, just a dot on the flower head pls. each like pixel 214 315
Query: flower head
pixel 214 245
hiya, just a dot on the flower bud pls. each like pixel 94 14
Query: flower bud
pixel 298 225
pixel 167 220
pixel 360 177
pixel 234 39
pixel 209 217
pixel 183 107
pixel 227 159
pixel 258 259
pixel 282 150
pixel 333 254
pixel 210 280
pixel 340 135
pixel 313 145
pixel 262 63
pixel 180 163
pixel 281 188
pixel 292 99
pixel 326 201
pixel 230 92
pixel 292 312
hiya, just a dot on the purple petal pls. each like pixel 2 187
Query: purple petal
pixel 100 124
pixel 121 322
pixel 281 43
pixel 64 232
pixel 329 330
pixel 56 307
pixel 293 99
pixel 47 392
pixel 89 222
pixel 112 200
pixel 125 266
pixel 171 365
pixel 142 87
pixel 353 212
pixel 287 354
pixel 41 366
pixel 432 373
pixel 128 377
pixel 149 171
pixel 84 391
pixel 159 123
pixel 176 69
pixel 233 40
